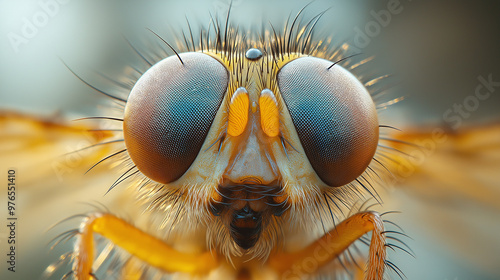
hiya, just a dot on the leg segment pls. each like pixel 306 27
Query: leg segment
pixel 331 245
pixel 139 244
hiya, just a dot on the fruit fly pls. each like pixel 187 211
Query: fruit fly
pixel 237 145
pixel 245 155
pixel 251 156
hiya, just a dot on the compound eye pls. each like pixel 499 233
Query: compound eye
pixel 169 113
pixel 334 116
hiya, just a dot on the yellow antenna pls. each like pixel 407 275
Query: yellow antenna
pixel 269 114
pixel 238 112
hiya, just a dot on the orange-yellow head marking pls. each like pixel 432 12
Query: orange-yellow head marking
pixel 238 112
pixel 269 114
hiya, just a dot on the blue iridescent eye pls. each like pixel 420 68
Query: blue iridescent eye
pixel 169 113
pixel 334 116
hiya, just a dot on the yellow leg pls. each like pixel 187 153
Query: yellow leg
pixel 330 246
pixel 145 247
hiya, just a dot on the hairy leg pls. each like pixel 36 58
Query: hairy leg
pixel 331 245
pixel 143 246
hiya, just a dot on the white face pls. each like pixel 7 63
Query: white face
pixel 258 142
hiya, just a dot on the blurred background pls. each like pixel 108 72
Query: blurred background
pixel 438 52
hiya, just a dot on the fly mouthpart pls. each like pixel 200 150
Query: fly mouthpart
pixel 246 208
